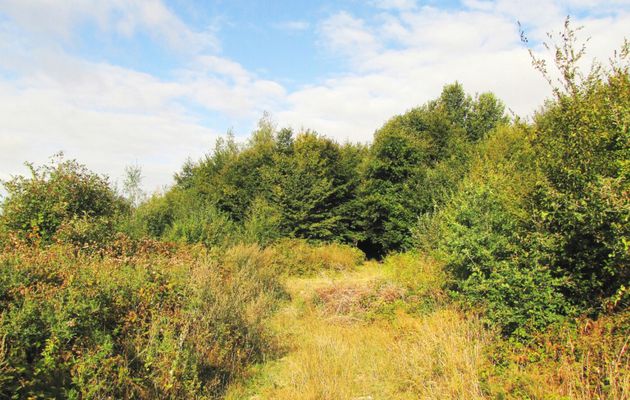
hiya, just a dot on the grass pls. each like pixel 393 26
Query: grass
pixel 342 355
pixel 582 361
pixel 381 331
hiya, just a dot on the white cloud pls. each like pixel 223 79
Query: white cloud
pixel 219 84
pixel 110 116
pixel 58 19
pixel 348 36
pixel 297 25
pixel 403 59
pixel 38 123
pixel 395 4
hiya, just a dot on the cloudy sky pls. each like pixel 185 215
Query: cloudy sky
pixel 152 82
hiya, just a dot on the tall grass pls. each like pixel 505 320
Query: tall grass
pixel 435 355
pixel 586 360
pixel 299 257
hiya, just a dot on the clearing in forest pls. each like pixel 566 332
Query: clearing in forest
pixel 351 335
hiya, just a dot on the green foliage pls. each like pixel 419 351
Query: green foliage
pixel 416 161
pixel 538 229
pixel 275 185
pixel 281 185
pixel 231 177
pixel 205 225
pixel 262 224
pixel 482 238
pixel 59 195
pixel 487 112
pixel 157 215
pixel 170 325
pixel 584 144
pixel 311 187
pixel 478 116
pixel 388 191
pixel 298 257
pixel 86 231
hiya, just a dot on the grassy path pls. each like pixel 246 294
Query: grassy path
pixel 347 336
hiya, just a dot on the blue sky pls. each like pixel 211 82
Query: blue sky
pixel 152 82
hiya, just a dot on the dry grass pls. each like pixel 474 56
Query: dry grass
pixel 299 257
pixel 436 356
pixel 590 362
pixel 332 350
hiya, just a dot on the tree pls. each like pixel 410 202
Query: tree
pixel 486 113
pixel 416 160
pixel 132 185
pixel 310 185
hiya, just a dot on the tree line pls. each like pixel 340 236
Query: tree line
pixel 529 219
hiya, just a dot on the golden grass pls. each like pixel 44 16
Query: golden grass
pixel 435 356
pixel 590 362
pixel 298 257
pixel 337 346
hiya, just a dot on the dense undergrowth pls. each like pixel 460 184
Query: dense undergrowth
pixel 158 323
pixel 140 320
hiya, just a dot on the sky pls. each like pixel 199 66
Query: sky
pixel 151 83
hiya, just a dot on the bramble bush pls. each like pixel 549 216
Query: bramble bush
pixel 157 322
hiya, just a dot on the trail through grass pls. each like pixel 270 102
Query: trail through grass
pixel 349 335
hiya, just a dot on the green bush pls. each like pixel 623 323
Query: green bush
pixel 583 204
pixel 151 218
pixel 87 232
pixel 262 224
pixel 483 238
pixel 205 225
pixel 150 325
pixel 55 195
pixel 490 267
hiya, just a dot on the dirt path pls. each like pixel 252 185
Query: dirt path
pixel 350 336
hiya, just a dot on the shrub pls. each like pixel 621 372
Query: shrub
pixel 262 225
pixel 421 275
pixel 86 232
pixel 180 216
pixel 54 195
pixel 153 217
pixel 178 324
pixel 586 359
pixel 482 237
pixel 205 225
pixel 539 228
pixel 583 202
